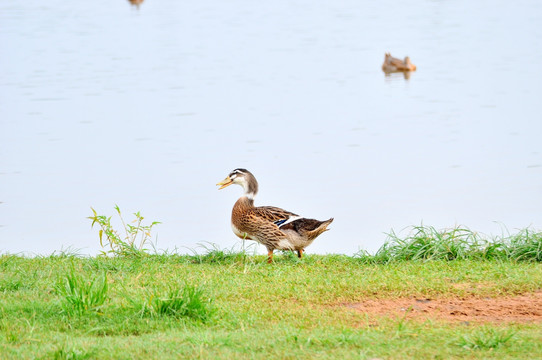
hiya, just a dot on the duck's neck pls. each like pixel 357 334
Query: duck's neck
pixel 244 203
pixel 249 195
pixel 250 187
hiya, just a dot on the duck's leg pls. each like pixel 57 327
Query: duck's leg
pixel 269 256
pixel 300 253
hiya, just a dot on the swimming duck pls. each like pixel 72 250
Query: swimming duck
pixel 392 64
pixel 271 226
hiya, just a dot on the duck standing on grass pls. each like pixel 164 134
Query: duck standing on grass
pixel 271 226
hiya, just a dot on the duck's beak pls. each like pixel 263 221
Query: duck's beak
pixel 225 183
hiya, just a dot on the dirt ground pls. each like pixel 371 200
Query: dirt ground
pixel 522 308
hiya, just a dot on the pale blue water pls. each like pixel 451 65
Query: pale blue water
pixel 102 103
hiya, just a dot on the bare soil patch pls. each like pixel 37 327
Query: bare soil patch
pixel 522 308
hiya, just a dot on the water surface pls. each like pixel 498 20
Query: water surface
pixel 147 107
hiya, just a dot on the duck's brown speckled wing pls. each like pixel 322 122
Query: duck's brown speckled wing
pixel 271 213
pixel 267 234
pixel 261 224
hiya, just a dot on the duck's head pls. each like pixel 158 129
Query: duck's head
pixel 244 178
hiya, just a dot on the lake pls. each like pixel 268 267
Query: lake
pixel 149 106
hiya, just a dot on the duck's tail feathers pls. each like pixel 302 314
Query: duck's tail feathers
pixel 307 228
pixel 319 229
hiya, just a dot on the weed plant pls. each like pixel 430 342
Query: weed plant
pixel 136 235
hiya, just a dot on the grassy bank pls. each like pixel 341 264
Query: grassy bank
pixel 223 305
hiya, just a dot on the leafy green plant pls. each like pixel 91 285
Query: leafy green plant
pixel 485 339
pixel 132 243
pixel 81 295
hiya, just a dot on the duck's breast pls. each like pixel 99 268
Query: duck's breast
pixel 238 232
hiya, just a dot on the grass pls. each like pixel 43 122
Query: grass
pixel 526 245
pixel 427 243
pixel 229 303
pixel 170 307
pixel 69 353
pixel 485 339
pixel 178 301
pixel 213 254
pixel 80 295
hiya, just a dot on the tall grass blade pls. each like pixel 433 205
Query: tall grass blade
pixel 186 301
pixel 81 295
pixel 427 243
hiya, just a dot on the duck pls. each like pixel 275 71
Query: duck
pixel 392 64
pixel 136 3
pixel 273 227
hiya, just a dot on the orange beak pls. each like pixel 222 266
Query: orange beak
pixel 225 183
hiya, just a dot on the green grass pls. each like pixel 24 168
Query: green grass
pixel 526 245
pixel 427 243
pixel 80 295
pixel 226 304
pixel 486 339
pixel 184 301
